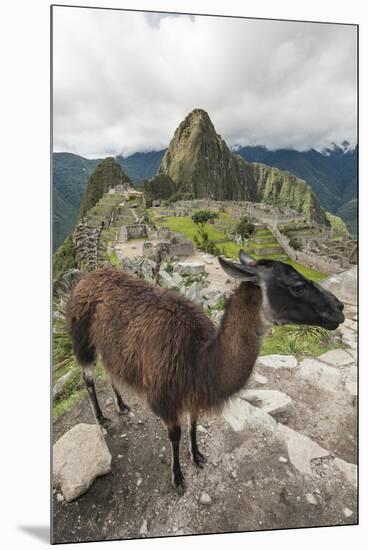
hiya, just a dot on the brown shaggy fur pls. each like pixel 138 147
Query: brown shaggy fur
pixel 163 345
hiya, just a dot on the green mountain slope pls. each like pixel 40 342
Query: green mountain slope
pixel 348 212
pixel 331 173
pixel 70 176
pixel 107 174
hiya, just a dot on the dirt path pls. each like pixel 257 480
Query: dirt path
pixel 255 475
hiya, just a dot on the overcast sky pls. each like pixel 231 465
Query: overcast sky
pixel 123 81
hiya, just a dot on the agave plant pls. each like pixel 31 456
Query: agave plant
pixel 309 334
pixel 292 346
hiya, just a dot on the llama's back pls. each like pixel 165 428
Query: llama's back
pixel 147 337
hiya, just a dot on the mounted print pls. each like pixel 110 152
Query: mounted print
pixel 205 256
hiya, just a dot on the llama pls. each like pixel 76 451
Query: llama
pixel 166 348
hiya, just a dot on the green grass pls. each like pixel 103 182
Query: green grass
pixel 282 341
pixel 65 404
pixel 73 392
pixel 267 244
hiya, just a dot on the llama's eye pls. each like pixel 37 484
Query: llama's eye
pixel 299 288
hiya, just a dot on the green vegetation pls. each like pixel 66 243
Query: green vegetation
pixel 158 188
pixel 298 340
pixel 338 226
pixel 70 174
pixel 224 176
pixel 185 225
pixel 64 258
pixel 245 228
pixel 106 174
pixel 201 218
pixel 295 243
pixel 349 213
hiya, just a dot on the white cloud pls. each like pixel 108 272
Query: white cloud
pixel 124 80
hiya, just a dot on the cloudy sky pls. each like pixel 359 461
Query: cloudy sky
pixel 123 80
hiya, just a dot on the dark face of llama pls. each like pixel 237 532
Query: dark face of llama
pixel 288 297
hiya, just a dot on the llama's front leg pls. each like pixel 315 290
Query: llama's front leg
pixel 88 377
pixel 121 407
pixel 197 457
pixel 177 476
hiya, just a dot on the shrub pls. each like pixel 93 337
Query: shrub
pixel 245 228
pixel 295 243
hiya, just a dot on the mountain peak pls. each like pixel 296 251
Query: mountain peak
pixel 201 165
pixel 199 161
pixel 106 175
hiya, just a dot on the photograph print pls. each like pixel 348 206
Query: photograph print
pixel 204 283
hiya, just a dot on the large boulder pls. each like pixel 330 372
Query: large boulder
pixel 79 456
pixel 344 285
pixel 190 268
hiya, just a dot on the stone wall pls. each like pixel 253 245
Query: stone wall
pixel 314 261
pixel 132 231
pixel 89 247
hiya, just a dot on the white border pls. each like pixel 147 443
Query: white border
pixel 24 191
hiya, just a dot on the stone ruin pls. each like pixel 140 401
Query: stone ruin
pixel 169 245
pixel 88 246
pixel 124 189
pixel 132 231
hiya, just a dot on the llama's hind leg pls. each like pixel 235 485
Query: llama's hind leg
pixel 88 377
pixel 177 476
pixel 121 407
pixel 197 457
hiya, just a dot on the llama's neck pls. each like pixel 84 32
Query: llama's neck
pixel 232 354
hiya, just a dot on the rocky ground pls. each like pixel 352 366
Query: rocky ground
pixel 282 455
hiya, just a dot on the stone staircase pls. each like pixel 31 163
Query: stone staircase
pixel 263 243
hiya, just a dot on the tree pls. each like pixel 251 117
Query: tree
pixel 201 218
pixel 245 228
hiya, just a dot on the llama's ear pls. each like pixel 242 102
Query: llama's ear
pixel 238 271
pixel 246 260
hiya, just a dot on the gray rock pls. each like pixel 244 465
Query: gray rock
pixel 217 316
pixel 58 388
pixel 147 268
pixel 311 499
pixel 350 471
pixel 344 285
pixel 271 401
pixel 79 456
pixel 348 336
pixel 59 497
pixel 143 531
pixel 205 499
pixel 283 460
pixel 347 512
pixel 259 378
pixel 301 449
pixel 241 415
pixel 321 375
pixel 194 292
pixel 190 268
pixel 177 278
pixel 202 429
pixel 165 279
pixel 336 357
pixel 277 361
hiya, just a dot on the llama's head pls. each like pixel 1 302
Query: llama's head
pixel 288 297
